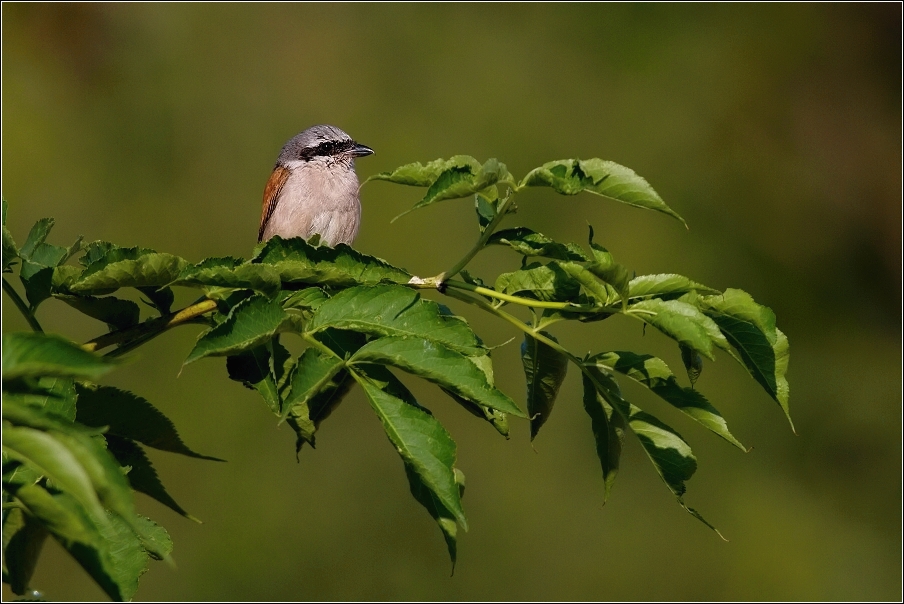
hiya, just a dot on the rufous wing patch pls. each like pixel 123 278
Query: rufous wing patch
pixel 271 195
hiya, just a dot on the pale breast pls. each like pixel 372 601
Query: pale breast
pixel 317 198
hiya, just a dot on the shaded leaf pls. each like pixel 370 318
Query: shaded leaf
pixel 486 208
pixel 420 440
pixel 530 243
pixel 436 363
pixel 250 323
pixel 116 313
pixel 142 477
pixel 130 416
pixel 23 539
pixel 591 284
pixel 608 428
pixel 605 178
pixel 693 363
pixel 653 373
pixel 53 395
pixel 297 261
pixel 160 298
pixel 544 368
pixel 391 310
pixel 608 270
pixel 252 368
pixel 230 273
pixel 10 250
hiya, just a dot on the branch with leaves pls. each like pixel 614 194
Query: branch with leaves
pixel 73 450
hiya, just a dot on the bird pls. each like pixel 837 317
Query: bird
pixel 313 189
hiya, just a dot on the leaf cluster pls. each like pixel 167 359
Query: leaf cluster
pixel 361 322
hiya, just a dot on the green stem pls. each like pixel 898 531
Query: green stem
pixel 22 306
pixel 566 306
pixel 501 211
pixel 139 334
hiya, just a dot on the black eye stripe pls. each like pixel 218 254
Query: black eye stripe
pixel 327 148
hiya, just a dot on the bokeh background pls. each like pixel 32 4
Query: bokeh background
pixel 774 130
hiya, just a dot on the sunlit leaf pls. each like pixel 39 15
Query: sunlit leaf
pixel 250 323
pixel 39 355
pixel 664 286
pixel 605 178
pixel 420 440
pixel 750 328
pixel 438 364
pixel 530 243
pixel 498 419
pixel 297 261
pixel 390 310
pixel 544 282
pixel 230 273
pixel 653 373
pixel 682 322
pixel 117 267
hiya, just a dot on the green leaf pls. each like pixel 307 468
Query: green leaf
pixel 693 363
pixel 604 178
pixel 313 373
pixel 250 323
pixel 53 395
pixel 456 177
pixel 653 373
pixel 53 458
pixel 297 261
pixel 22 414
pixel 37 269
pixel 543 282
pixel 751 330
pixel 23 539
pixel 530 243
pixel 443 516
pixel 36 236
pixel 159 298
pixel 142 477
pixel 436 363
pixel 420 440
pixel 252 368
pixel 608 270
pixel 110 268
pixel 39 355
pixel 682 322
pixel 392 310
pixel 116 313
pixel 603 293
pixel 70 524
pixel 10 250
pixel 307 298
pixel 230 273
pixel 663 285
pixel 608 428
pixel 670 454
pixel 497 418
pixel 486 208
pixel 130 416
pixel 544 368
pixel 319 407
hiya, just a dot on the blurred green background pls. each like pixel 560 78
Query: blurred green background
pixel 774 130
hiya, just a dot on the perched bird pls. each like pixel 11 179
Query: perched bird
pixel 314 189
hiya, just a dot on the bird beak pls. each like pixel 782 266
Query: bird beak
pixel 360 150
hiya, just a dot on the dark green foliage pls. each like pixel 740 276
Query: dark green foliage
pixel 73 450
